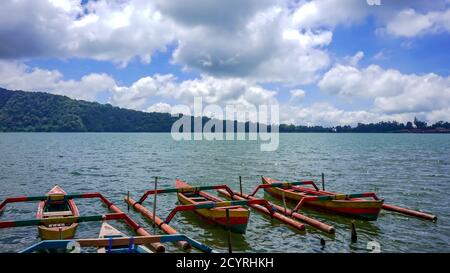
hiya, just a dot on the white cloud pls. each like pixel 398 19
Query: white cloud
pixel 297 95
pixel 259 40
pixel 224 91
pixel 406 18
pixel 209 35
pixel 160 107
pixel 380 55
pixel 121 31
pixel 329 13
pixel 354 60
pixel 438 115
pixel 326 114
pixel 17 76
pixel 229 14
pixel 409 23
pixel 238 93
pixel 137 95
pixel 102 30
pixel 264 48
pixel 392 91
pixel 212 90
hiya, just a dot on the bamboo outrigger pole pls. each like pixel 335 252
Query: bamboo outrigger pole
pixel 60 220
pixel 160 223
pixel 154 205
pixel 410 212
pixel 282 218
pixel 308 220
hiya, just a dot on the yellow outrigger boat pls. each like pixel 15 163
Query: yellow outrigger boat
pixel 57 206
pixel 238 215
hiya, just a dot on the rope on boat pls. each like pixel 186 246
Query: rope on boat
pixel 110 245
pixel 131 245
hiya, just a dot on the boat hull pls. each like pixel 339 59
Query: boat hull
pixel 357 208
pixel 57 231
pixel 238 215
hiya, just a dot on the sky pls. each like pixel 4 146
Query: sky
pixel 324 62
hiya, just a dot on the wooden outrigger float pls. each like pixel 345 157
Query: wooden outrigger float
pixel 207 204
pixel 68 220
pixel 348 204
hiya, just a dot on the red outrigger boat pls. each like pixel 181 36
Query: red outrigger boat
pixel 366 209
pixel 238 215
pixel 56 206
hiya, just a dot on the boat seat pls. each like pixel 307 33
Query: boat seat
pixel 229 207
pixel 198 198
pixel 57 213
pixel 205 202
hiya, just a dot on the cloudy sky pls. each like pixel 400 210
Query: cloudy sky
pixel 326 62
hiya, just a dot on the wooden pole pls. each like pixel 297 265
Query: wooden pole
pixel 322 242
pixel 154 205
pixel 240 183
pixel 323 181
pixel 128 204
pixel 229 231
pixel 284 202
pixel 354 234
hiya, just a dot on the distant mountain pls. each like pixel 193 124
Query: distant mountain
pixel 43 112
pixel 22 111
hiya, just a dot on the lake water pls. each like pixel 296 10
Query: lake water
pixel 409 170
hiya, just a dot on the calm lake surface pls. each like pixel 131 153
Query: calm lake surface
pixel 409 170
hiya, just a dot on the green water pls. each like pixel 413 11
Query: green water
pixel 405 169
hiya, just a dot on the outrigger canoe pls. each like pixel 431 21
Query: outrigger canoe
pixel 365 209
pixel 108 231
pixel 57 206
pixel 238 215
